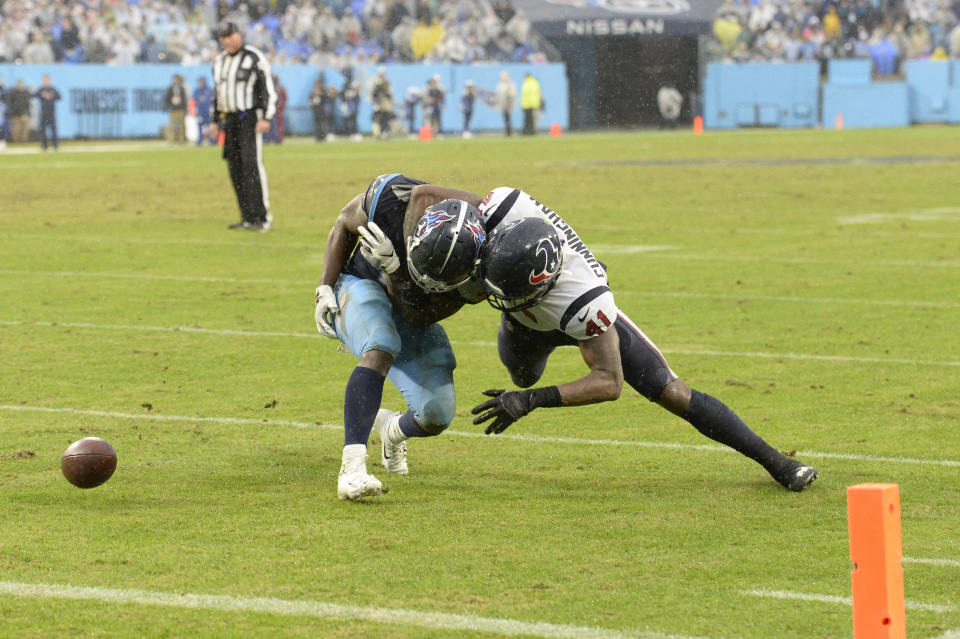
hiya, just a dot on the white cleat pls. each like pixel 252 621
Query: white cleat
pixel 356 486
pixel 393 455
pixel 354 482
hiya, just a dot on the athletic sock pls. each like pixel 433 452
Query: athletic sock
pixel 410 428
pixel 394 433
pixel 714 419
pixel 363 395
pixel 354 458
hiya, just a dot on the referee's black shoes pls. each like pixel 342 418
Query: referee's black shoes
pixel 261 227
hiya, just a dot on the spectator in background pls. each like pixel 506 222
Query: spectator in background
pixel 70 49
pixel 530 97
pixel 318 97
pixel 467 101
pixel 18 112
pixel 410 101
pixel 38 51
pixel 832 27
pixel 48 96
pixel 278 129
pixel 382 97
pixel 919 43
pixel 884 55
pixel 506 100
pixel 125 50
pixel 350 107
pixel 175 101
pixel 434 99
pixel 330 112
pixel 4 128
pixel 203 107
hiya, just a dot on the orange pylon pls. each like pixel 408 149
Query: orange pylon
pixel 839 122
pixel 556 130
pixel 698 125
pixel 873 517
pixel 426 133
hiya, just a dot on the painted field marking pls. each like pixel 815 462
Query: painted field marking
pixel 949 634
pixel 160 329
pixel 850 359
pixel 140 240
pixel 836 599
pixel 621 292
pixel 323 610
pixel 804 260
pixel 760 161
pixel 820 232
pixel 150 276
pixel 950 563
pixel 540 439
pixel 630 249
pixel 786 298
pixel 916 215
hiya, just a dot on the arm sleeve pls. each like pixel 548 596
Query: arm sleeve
pixel 269 95
pixel 214 107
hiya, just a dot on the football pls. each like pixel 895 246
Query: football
pixel 88 462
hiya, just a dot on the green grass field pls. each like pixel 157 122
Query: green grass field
pixel 808 279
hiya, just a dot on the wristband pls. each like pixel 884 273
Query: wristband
pixel 546 397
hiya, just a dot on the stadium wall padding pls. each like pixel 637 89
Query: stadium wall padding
pixel 791 95
pixel 100 101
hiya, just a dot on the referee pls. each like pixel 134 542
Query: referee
pixel 244 102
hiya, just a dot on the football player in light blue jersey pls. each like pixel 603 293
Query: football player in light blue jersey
pixel 367 300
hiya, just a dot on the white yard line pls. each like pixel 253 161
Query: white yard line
pixel 769 259
pixel 160 329
pixel 832 301
pixel 121 241
pixel 323 610
pixel 457 433
pixel 849 359
pixel 621 292
pixel 949 563
pixel 806 596
pixel 154 277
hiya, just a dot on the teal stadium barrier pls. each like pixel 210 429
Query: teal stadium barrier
pixel 100 101
pixel 792 95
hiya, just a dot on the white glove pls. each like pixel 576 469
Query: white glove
pixel 326 308
pixel 377 248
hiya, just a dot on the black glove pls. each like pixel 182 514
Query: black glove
pixel 509 406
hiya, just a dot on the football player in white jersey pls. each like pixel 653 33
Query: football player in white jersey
pixel 552 292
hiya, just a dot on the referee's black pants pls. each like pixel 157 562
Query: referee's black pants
pixel 243 151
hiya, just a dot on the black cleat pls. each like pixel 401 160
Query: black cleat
pixel 799 477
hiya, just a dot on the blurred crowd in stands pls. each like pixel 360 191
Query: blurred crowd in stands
pixel 324 33
pixel 886 31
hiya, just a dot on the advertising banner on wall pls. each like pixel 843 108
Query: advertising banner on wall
pixel 101 101
pixel 592 18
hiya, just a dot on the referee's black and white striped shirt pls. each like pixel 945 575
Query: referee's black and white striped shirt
pixel 243 82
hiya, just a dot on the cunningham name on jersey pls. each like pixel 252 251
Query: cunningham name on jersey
pixel 581 303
